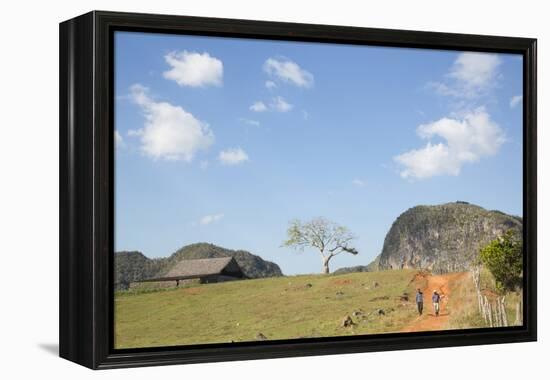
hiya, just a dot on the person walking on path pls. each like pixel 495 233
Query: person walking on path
pixel 436 298
pixel 419 301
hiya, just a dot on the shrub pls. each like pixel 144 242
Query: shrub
pixel 504 259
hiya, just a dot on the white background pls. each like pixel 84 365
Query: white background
pixel 29 187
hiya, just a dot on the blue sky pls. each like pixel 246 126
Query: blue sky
pixel 227 140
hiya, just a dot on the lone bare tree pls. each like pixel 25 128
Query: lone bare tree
pixel 329 238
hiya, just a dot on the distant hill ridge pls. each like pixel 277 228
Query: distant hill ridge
pixel 372 267
pixel 135 266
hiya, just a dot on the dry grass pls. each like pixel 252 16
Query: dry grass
pixel 288 308
pixel 279 308
pixel 466 315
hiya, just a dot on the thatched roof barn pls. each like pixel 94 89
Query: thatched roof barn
pixel 201 270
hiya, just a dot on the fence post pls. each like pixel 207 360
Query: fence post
pixel 519 310
pixel 489 311
pixel 504 316
pixel 480 303
pixel 519 313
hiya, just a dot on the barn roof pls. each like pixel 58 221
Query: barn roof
pixel 186 269
pixel 199 267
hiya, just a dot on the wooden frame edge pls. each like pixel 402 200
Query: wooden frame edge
pixel 85 155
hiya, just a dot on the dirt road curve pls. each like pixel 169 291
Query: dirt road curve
pixel 428 321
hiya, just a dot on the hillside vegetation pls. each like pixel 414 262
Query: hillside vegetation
pixel 134 266
pixel 271 308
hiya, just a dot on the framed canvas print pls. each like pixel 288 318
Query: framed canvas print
pixel 237 189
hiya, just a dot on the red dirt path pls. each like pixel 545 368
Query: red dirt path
pixel 428 321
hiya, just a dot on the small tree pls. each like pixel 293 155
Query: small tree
pixel 327 237
pixel 504 259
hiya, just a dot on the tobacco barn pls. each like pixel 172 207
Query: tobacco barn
pixel 203 271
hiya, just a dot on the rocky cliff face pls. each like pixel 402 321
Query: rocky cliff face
pixel 443 238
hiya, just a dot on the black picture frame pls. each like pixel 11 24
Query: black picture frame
pixel 86 188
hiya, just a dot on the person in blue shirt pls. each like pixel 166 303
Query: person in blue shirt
pixel 419 301
pixel 436 298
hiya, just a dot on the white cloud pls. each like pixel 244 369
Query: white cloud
pixel 432 160
pixel 279 104
pixel 305 114
pixel 135 132
pixel 255 123
pixel 289 72
pixel 119 142
pixel 515 100
pixel 258 107
pixel 359 182
pixel 209 219
pixel 445 90
pixel 475 69
pixel 204 165
pixel 194 69
pixel 472 75
pixel 270 84
pixel 169 132
pixel 467 140
pixel 234 156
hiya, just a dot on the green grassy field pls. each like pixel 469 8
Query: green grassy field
pixel 278 308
